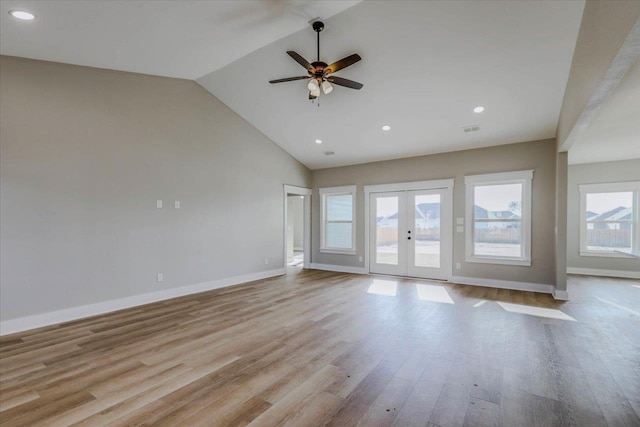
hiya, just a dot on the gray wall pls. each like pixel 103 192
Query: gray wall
pixel 538 155
pixel 595 173
pixel 562 171
pixel 86 152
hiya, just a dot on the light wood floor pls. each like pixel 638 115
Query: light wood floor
pixel 317 348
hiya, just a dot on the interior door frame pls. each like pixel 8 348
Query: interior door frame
pixel 442 184
pixel 306 234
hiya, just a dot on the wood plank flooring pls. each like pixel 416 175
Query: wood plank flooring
pixel 318 348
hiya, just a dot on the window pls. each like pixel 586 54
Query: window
pixel 609 219
pixel 498 218
pixel 338 220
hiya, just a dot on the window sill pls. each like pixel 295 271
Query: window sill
pixel 338 251
pixel 503 261
pixel 603 254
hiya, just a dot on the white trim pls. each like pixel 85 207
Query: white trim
pixel 338 268
pixel 338 191
pixel 560 295
pixel 609 187
pixel 498 260
pixel 54 317
pixel 338 251
pixel 503 284
pixel 498 178
pixel 524 178
pixel 407 186
pixel 306 223
pixel 603 254
pixel 447 183
pixel 601 272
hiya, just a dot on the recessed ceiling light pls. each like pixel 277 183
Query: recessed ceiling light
pixel 318 141
pixel 22 15
pixel 386 127
pixel 478 109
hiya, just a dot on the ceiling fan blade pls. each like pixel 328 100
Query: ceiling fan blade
pixel 345 82
pixel 343 63
pixel 289 79
pixel 300 60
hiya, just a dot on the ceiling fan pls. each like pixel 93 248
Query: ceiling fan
pixel 319 73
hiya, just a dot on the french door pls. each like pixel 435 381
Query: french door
pixel 410 233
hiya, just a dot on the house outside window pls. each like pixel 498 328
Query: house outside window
pixel 610 219
pixel 498 218
pixel 338 225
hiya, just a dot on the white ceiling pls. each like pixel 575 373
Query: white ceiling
pixel 185 39
pixel 614 133
pixel 425 66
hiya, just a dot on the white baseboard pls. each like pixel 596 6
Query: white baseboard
pixel 503 284
pixel 607 273
pixel 54 317
pixel 338 268
pixel 560 295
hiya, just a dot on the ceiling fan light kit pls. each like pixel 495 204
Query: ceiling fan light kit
pixel 320 74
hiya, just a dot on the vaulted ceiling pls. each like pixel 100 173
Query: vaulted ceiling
pixel 425 65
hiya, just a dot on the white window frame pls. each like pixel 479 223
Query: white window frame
pixel 610 187
pixel 337 191
pixel 518 177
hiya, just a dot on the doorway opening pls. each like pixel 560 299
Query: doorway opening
pixel 297 228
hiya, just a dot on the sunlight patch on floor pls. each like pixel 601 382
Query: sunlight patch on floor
pixel 636 286
pixel 479 303
pixel 549 313
pixel 434 293
pixel 622 307
pixel 383 287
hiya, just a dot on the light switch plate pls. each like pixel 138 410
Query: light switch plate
pixel 460 221
pixel 177 204
pixel 460 229
pixel 159 204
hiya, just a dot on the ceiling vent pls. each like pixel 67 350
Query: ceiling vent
pixel 328 153
pixel 471 128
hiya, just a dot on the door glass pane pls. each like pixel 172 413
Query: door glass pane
pixel 427 231
pixel 609 221
pixel 387 230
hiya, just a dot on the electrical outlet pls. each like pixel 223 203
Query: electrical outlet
pixel 458 266
pixel 177 204
pixel 459 229
pixel 266 261
pixel 159 204
pixel 160 277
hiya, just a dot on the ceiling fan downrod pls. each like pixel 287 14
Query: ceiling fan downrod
pixel 317 27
